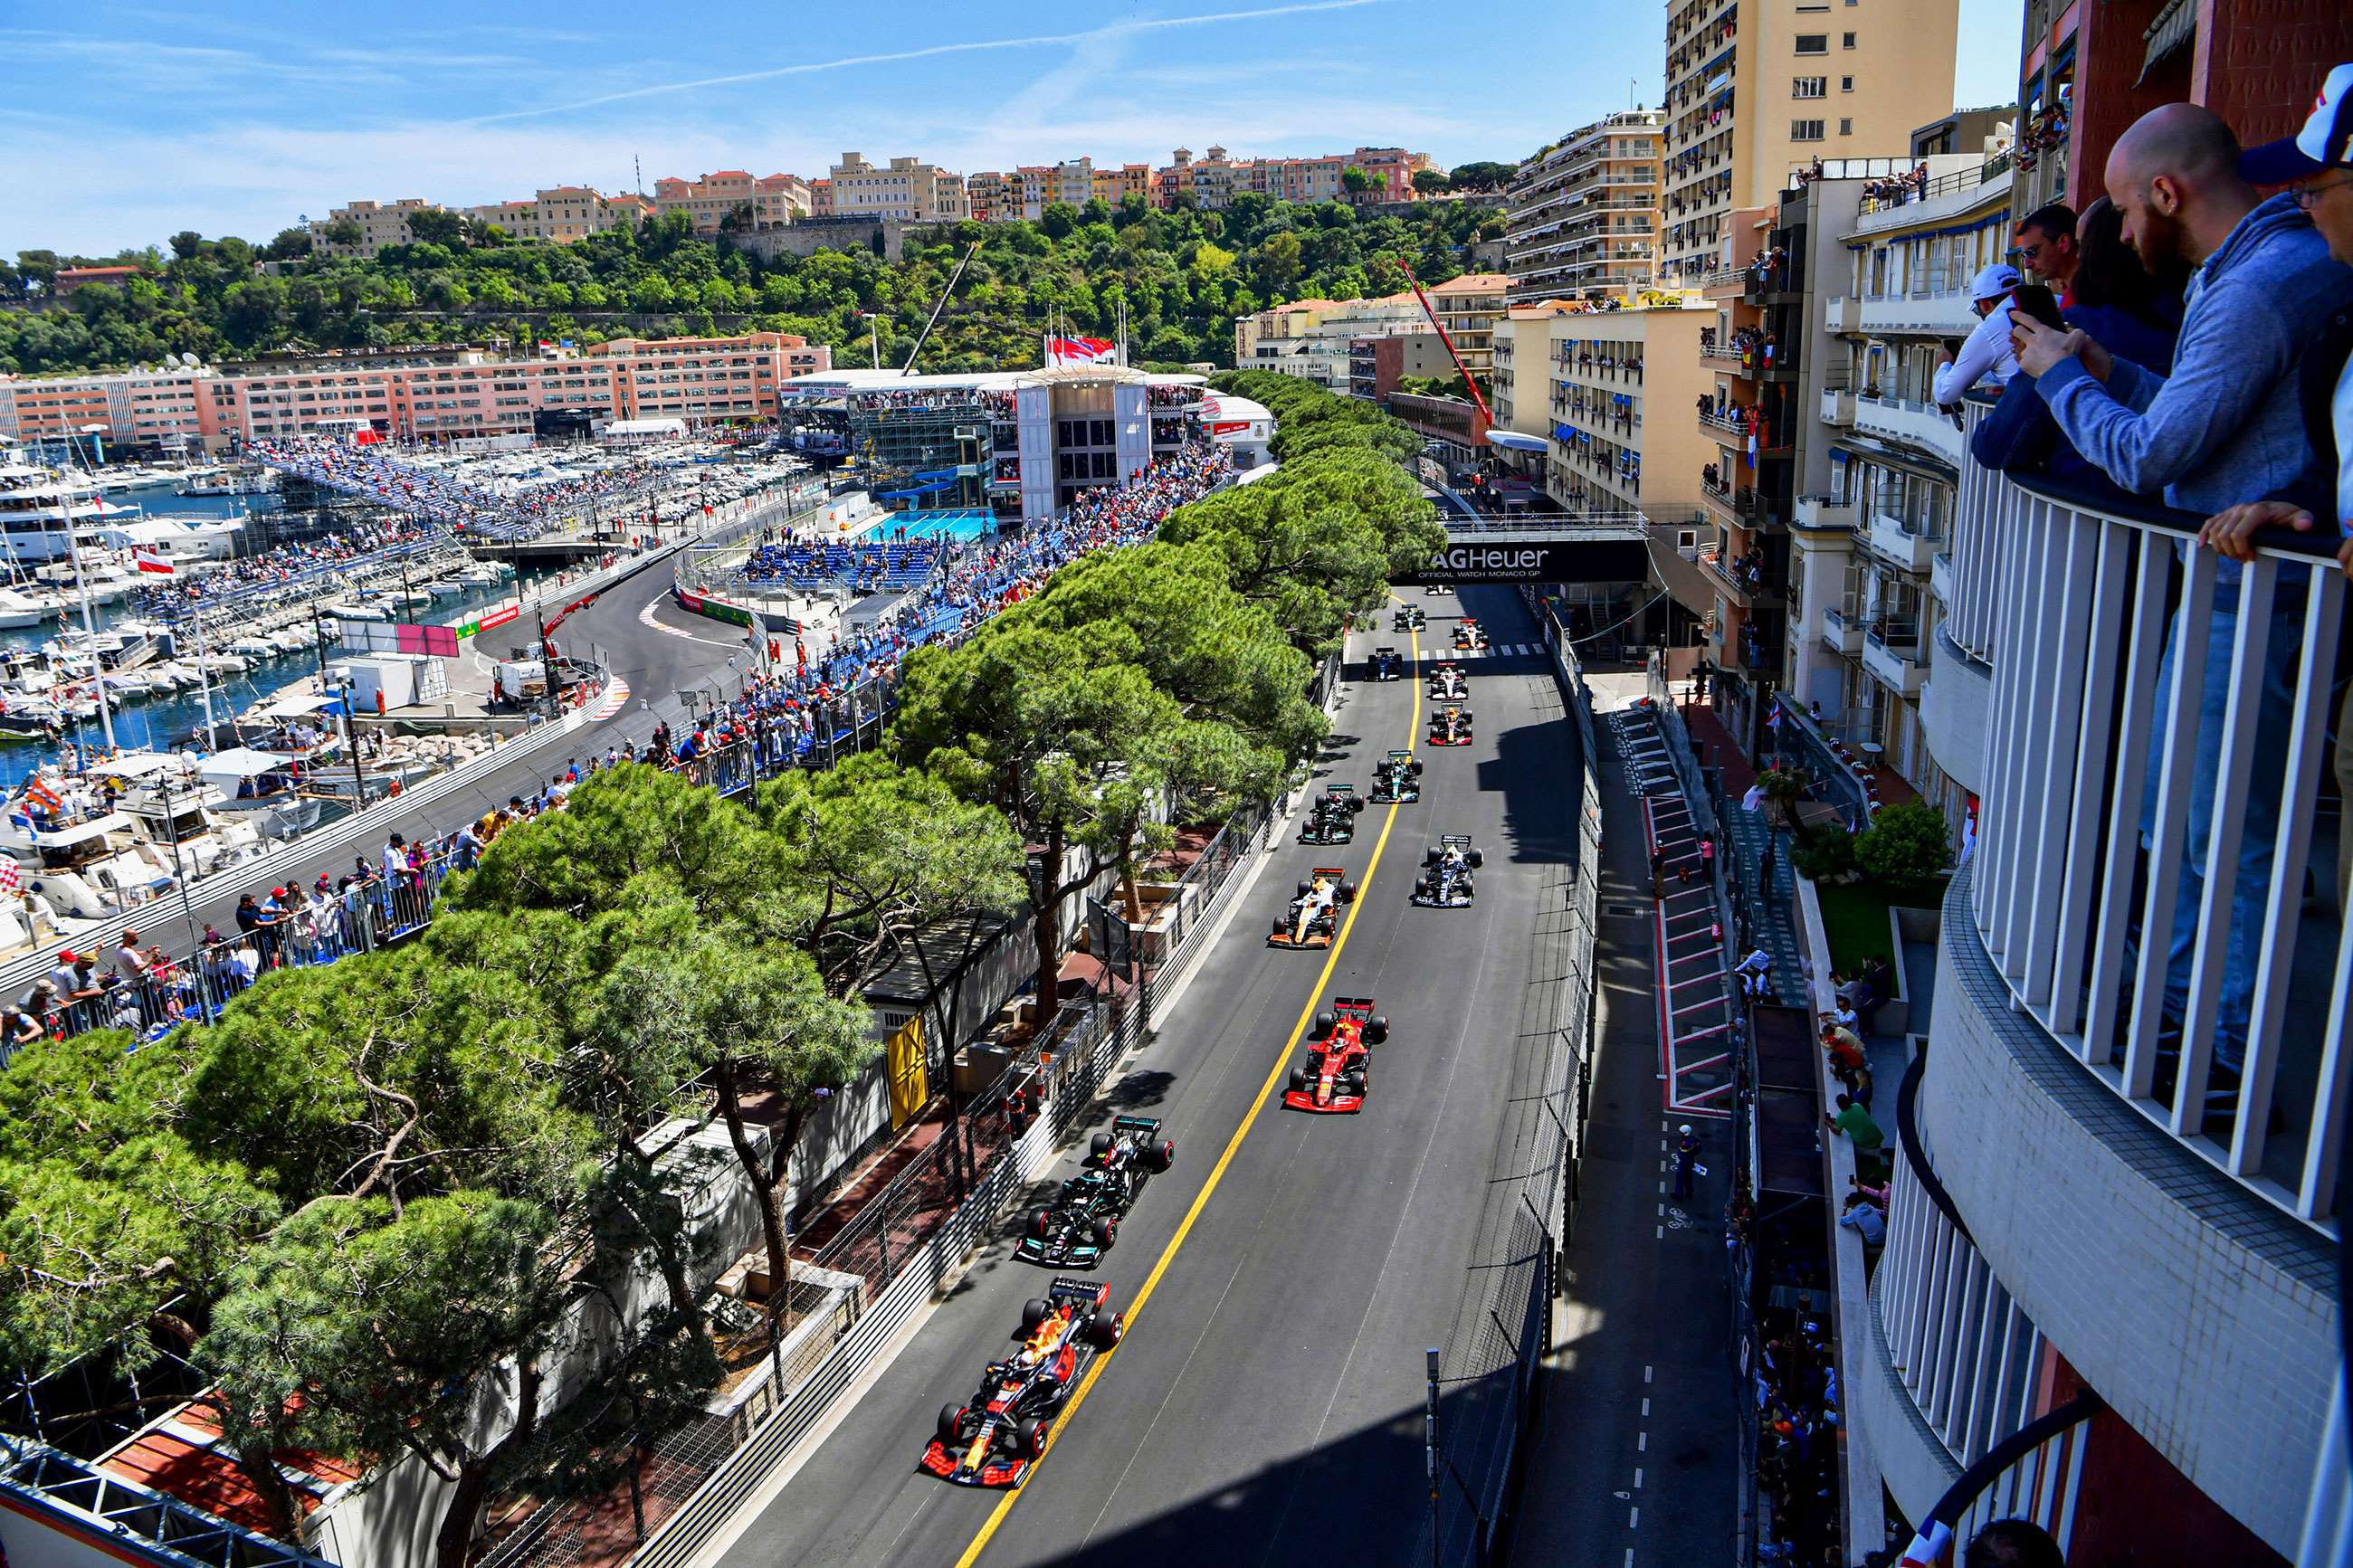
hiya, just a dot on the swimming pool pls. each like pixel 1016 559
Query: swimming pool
pixel 960 523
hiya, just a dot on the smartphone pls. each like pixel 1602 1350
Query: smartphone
pixel 2036 302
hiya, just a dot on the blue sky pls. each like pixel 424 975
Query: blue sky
pixel 124 123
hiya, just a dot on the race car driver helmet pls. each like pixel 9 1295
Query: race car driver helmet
pixel 1685 1129
pixel 1027 1359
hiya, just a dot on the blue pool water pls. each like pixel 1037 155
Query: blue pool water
pixel 957 524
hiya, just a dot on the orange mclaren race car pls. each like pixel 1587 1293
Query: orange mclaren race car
pixel 1339 1065
pixel 994 1440
pixel 1470 634
pixel 1313 917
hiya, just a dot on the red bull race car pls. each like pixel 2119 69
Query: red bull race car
pixel 1385 665
pixel 1446 882
pixel 1082 1222
pixel 1313 917
pixel 1450 726
pixel 1470 634
pixel 1331 819
pixel 1397 778
pixel 994 1440
pixel 1339 1065
pixel 1447 684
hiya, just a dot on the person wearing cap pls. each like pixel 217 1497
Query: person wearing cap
pixel 2223 428
pixel 1686 1161
pixel 2319 162
pixel 1986 352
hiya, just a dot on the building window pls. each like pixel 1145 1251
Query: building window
pixel 1805 130
pixel 1846 126
pixel 1846 40
pixel 1846 84
pixel 1816 43
pixel 1810 86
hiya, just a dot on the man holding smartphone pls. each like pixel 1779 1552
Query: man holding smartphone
pixel 1987 351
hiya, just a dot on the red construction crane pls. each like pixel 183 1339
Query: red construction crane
pixel 1409 278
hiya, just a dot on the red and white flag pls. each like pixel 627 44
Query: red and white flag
pixel 1080 351
pixel 149 559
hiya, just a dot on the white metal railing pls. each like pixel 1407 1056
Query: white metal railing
pixel 2158 724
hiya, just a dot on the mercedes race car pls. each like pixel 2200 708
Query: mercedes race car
pixel 1314 914
pixel 1082 1222
pixel 1447 684
pixel 1397 777
pixel 1332 818
pixel 1470 634
pixel 1450 726
pixel 1339 1065
pixel 1410 618
pixel 995 1440
pixel 1446 867
pixel 1385 665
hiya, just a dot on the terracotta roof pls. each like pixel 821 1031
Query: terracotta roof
pixel 185 1456
pixel 1471 283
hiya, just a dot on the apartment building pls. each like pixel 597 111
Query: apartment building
pixel 820 198
pixel 1317 340
pixel 1112 187
pixel 734 198
pixel 907 189
pixel 1756 91
pixel 559 214
pixel 1468 308
pixel 1212 182
pixel 380 224
pixel 435 397
pixel 1582 216
pixel 1602 400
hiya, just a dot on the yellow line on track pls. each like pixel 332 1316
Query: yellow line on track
pixel 1217 1172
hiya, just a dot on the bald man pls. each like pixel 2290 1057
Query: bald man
pixel 2223 428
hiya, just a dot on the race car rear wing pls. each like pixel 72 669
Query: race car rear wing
pixel 1322 873
pixel 1340 789
pixel 1065 1289
pixel 1454 840
pixel 1357 1007
pixel 1136 1124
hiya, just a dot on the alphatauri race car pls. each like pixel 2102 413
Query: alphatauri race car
pixel 1314 913
pixel 1450 726
pixel 1082 1222
pixel 995 1440
pixel 1397 777
pixel 1447 684
pixel 1385 665
pixel 1446 869
pixel 1339 1065
pixel 1331 817
pixel 1470 634
pixel 1410 618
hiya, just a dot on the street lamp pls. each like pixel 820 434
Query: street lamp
pixel 873 337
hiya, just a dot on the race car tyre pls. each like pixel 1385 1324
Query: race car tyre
pixel 1347 892
pixel 1105 1329
pixel 1356 804
pixel 1429 856
pixel 1166 1155
pixel 1280 925
pixel 1041 1220
pixel 1302 887
pixel 1377 1029
pixel 1103 1232
pixel 1414 768
pixel 1034 1311
pixel 951 1423
pixel 1325 1023
pixel 1099 1145
pixel 1355 1083
pixel 1477 858
pixel 1029 1438
pixel 1470 888
pixel 1298 1079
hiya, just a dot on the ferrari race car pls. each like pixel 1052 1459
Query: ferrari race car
pixel 1446 869
pixel 1332 818
pixel 1397 777
pixel 1451 726
pixel 1469 633
pixel 1082 1222
pixel 1411 618
pixel 1447 684
pixel 1339 1065
pixel 994 1440
pixel 1314 914
pixel 1385 665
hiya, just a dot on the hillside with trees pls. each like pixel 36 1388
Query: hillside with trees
pixel 1182 275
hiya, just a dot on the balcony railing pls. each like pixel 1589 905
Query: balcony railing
pixel 2157 728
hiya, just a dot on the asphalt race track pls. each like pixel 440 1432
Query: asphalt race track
pixel 1266 1405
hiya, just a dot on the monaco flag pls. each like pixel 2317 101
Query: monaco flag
pixel 148 559
pixel 1079 351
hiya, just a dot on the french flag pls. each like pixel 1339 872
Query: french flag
pixel 1080 351
pixel 149 559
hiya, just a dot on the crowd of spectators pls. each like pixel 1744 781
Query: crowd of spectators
pixel 279 565
pixel 433 496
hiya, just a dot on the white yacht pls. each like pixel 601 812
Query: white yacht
pixel 167 799
pixel 232 483
pixel 269 785
pixel 84 860
pixel 19 609
pixel 44 512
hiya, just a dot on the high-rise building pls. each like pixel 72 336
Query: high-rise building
pixel 1756 91
pixel 1582 218
pixel 908 190
pixel 1468 308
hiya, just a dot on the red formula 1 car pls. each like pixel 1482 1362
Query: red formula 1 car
pixel 995 1440
pixel 1339 1065
pixel 1451 726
